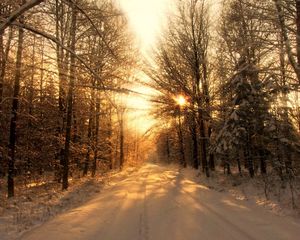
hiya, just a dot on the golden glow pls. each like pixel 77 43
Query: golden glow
pixel 139 108
pixel 146 18
pixel 180 100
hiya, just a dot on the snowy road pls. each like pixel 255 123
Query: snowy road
pixel 158 203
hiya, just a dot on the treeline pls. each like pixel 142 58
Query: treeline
pixel 239 75
pixel 62 64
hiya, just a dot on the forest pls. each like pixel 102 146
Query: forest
pixel 229 89
pixel 224 84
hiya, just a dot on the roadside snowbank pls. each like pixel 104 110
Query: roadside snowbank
pixel 37 202
pixel 279 197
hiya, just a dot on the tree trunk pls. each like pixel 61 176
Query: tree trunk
pixel 30 108
pixel 65 182
pixel 263 164
pixel 228 168
pixel 4 50
pixel 298 30
pixel 122 140
pixel 193 130
pixel 14 112
pixel 110 145
pixel 180 140
pixel 284 32
pixel 240 159
pixel 87 158
pixel 203 147
pixel 249 158
pixel 168 148
pixel 94 168
pixel 62 69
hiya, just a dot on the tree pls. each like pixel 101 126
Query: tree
pixel 14 113
pixel 183 68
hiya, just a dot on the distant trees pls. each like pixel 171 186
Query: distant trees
pixel 241 87
pixel 62 62
pixel 183 68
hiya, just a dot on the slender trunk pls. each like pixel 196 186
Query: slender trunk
pixel 288 163
pixel 263 164
pixel 42 77
pixel 2 72
pixel 228 168
pixel 122 141
pixel 249 157
pixel 14 111
pixel 75 137
pixel 30 107
pixel 211 161
pixel 240 159
pixel 298 30
pixel 4 50
pixel 180 138
pixel 31 88
pixel 62 69
pixel 203 147
pixel 65 182
pixel 110 146
pixel 87 158
pixel 94 168
pixel 193 130
pixel 284 32
pixel 168 148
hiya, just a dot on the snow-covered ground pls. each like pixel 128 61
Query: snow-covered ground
pixel 271 192
pixel 37 202
pixel 160 203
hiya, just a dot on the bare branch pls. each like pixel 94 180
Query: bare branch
pixel 25 7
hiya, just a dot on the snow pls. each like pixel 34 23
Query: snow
pixel 278 200
pixel 37 202
pixel 164 202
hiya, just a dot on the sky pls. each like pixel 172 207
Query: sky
pixel 146 19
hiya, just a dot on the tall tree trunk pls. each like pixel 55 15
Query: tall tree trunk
pixel 122 140
pixel 284 32
pixel 298 30
pixel 239 166
pixel 168 148
pixel 30 107
pixel 180 140
pixel 4 50
pixel 87 158
pixel 94 168
pixel 14 112
pixel 203 146
pixel 76 136
pixel 249 156
pixel 211 160
pixel 263 163
pixel 2 71
pixel 193 131
pixel 41 92
pixel 65 182
pixel 207 118
pixel 110 145
pixel 62 69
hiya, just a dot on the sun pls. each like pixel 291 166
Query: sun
pixel 180 100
